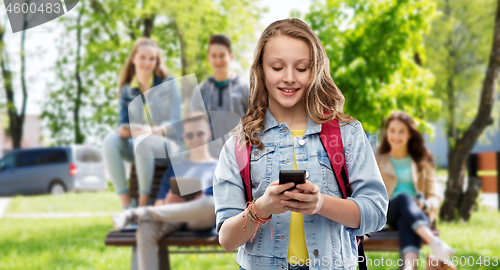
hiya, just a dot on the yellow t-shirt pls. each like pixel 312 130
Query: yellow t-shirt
pixel 297 241
pixel 135 83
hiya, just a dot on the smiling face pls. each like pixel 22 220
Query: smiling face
pixel 219 57
pixel 398 134
pixel 145 60
pixel 286 68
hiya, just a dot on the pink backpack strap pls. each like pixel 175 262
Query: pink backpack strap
pixel 243 160
pixel 332 142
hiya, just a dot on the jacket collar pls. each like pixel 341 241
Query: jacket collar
pixel 153 81
pixel 388 168
pixel 270 122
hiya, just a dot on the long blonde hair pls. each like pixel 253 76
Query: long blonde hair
pixel 128 71
pixel 323 99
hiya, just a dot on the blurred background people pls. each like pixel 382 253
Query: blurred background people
pixel 223 91
pixel 171 212
pixel 407 168
pixel 160 107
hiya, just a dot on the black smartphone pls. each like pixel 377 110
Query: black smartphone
pixel 295 176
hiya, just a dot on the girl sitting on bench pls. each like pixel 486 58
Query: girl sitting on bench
pixel 408 171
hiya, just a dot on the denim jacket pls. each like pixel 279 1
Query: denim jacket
pixel 164 104
pixel 330 245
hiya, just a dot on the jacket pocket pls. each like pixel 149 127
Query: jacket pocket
pixel 261 164
pixel 329 180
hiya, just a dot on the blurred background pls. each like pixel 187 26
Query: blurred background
pixel 59 85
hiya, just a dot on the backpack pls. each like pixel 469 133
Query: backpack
pixel 328 130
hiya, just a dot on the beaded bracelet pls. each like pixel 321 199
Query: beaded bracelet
pixel 249 209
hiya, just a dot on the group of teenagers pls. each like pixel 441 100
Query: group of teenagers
pixel 289 99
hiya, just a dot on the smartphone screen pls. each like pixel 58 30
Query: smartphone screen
pixel 295 176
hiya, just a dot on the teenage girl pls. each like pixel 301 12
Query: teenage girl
pixel 407 168
pixel 311 227
pixel 143 70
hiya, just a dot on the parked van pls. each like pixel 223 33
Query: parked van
pixel 89 168
pixel 51 170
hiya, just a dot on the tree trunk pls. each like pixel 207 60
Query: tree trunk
pixel 79 136
pixel 468 201
pixel 148 25
pixel 23 81
pixel 183 49
pixel 457 157
pixel 15 121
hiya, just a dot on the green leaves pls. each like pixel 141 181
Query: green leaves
pixel 109 29
pixel 372 47
pixel 458 47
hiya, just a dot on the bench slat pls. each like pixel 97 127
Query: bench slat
pixel 379 241
pixel 180 238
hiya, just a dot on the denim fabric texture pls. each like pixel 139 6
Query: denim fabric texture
pixel 330 245
pixel 405 216
pixel 164 105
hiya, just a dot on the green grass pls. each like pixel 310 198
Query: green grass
pixel 443 172
pixel 215 261
pixel 85 202
pixel 69 243
pixel 478 238
pixel 78 243
pixel 64 243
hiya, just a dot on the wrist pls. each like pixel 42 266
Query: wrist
pixel 320 208
pixel 260 209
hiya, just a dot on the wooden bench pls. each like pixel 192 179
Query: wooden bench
pixel 179 238
pixel 385 240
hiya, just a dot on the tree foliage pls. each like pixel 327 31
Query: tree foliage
pixel 109 28
pixel 376 49
pixel 15 114
pixel 457 48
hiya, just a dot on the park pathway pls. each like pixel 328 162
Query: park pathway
pixel 3 205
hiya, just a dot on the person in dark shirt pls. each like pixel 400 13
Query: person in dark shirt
pixel 171 211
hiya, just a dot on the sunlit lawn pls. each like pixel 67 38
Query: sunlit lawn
pixel 478 238
pixel 78 243
pixel 85 202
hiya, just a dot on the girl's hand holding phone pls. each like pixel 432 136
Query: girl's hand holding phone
pixel 269 203
pixel 308 201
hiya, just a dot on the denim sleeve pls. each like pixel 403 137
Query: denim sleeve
pixel 229 196
pixel 368 189
pixel 175 113
pixel 165 106
pixel 123 114
pixel 165 183
pixel 175 105
pixel 167 109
